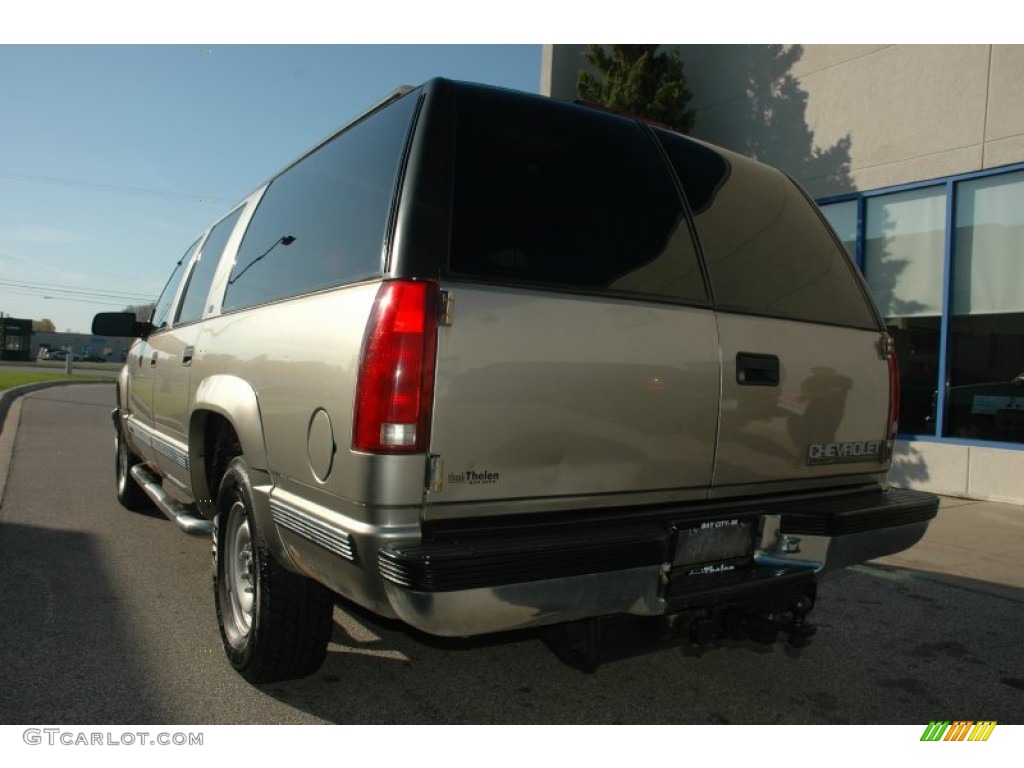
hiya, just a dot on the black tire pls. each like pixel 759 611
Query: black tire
pixel 129 494
pixel 275 625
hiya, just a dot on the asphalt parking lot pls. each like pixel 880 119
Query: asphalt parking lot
pixel 108 618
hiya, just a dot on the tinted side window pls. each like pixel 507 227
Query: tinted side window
pixel 323 221
pixel 162 310
pixel 557 195
pixel 198 288
pixel 767 249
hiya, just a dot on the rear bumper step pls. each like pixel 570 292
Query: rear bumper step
pixel 181 514
pixel 450 566
pixel 470 578
pixel 859 513
pixel 468 557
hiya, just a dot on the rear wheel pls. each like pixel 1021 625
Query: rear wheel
pixel 275 624
pixel 129 494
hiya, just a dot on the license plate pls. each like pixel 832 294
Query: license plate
pixel 713 541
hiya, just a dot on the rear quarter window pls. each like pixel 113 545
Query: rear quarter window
pixel 767 249
pixel 162 310
pixel 323 222
pixel 193 303
pixel 554 195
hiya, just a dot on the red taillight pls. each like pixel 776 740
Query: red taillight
pixel 395 390
pixel 894 392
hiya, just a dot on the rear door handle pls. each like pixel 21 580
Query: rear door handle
pixel 754 370
pixel 186 356
pixel 152 359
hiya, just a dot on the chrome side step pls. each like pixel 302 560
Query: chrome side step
pixel 180 513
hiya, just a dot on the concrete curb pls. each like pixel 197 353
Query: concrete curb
pixel 8 396
pixel 10 418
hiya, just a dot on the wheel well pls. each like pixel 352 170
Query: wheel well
pixel 220 445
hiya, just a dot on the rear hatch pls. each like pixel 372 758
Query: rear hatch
pixel 580 353
pixel 824 418
pixel 805 372
pixel 547 395
pixel 580 356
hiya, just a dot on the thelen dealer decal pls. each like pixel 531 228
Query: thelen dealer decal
pixel 472 477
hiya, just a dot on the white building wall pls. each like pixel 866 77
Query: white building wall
pixel 902 113
pixel 842 118
pixel 973 472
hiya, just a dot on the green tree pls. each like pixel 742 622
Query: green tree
pixel 639 80
pixel 43 326
pixel 142 311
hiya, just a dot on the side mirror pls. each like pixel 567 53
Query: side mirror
pixel 121 324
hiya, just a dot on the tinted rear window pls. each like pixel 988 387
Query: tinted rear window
pixel 561 196
pixel 766 247
pixel 323 221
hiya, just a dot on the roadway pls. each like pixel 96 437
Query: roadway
pixel 107 617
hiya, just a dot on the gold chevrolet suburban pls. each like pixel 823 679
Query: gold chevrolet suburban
pixel 483 361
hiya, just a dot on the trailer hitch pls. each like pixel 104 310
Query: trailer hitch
pixel 764 628
pixel 588 643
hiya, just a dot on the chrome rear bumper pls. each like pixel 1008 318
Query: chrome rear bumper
pixel 463 584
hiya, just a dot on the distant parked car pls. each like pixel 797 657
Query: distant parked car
pixel 94 359
pixel 56 354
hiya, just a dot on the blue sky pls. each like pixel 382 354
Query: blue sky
pixel 114 158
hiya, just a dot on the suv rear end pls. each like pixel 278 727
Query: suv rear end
pixel 660 383
pixel 485 361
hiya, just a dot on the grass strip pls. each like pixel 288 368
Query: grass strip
pixel 10 379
